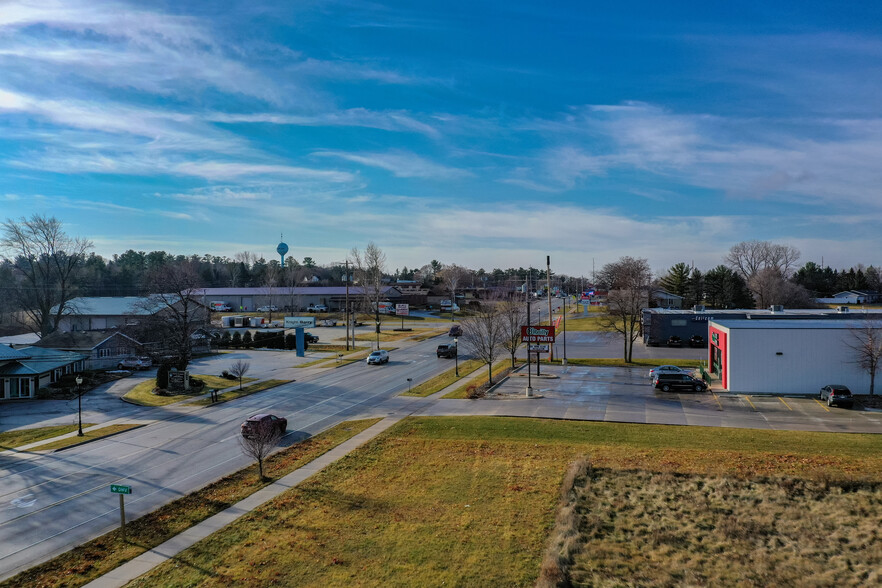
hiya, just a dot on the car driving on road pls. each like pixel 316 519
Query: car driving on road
pixel 378 357
pixel 447 350
pixel 837 395
pixel 263 423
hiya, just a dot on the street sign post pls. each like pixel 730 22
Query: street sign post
pixel 122 491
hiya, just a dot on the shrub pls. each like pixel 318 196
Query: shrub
pixel 225 339
pixel 290 341
pixel 236 339
pixel 196 384
pixel 162 376
pixel 247 339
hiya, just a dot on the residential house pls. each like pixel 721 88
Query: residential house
pixel 24 371
pixel 103 349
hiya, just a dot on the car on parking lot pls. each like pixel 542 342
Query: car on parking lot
pixel 837 395
pixel 447 350
pixel 317 308
pixel 310 338
pixel 135 363
pixel 675 341
pixel 667 369
pixel 268 308
pixel 668 382
pixel 697 341
pixel 378 357
pixel 260 424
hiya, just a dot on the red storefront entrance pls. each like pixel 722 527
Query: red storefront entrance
pixel 717 352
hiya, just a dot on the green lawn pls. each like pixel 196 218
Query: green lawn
pixel 20 437
pixel 592 322
pixel 498 368
pixel 471 501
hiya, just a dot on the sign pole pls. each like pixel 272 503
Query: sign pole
pixel 122 515
pixel 529 376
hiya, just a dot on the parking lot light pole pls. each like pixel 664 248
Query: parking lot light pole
pixel 456 355
pixel 79 381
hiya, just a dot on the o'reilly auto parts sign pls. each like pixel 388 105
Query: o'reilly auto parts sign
pixel 537 334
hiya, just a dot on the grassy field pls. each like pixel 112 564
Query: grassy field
pixel 143 395
pixel 592 322
pixel 88 436
pixel 393 335
pixel 20 437
pixel 444 379
pixel 97 557
pixel 470 501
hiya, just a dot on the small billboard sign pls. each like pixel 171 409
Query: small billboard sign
pixel 539 348
pixel 402 309
pixel 537 334
pixel 292 322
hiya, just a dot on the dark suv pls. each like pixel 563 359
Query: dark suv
pixel 837 394
pixel 668 382
pixel 447 350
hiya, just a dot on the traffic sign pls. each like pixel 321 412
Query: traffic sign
pixel 119 489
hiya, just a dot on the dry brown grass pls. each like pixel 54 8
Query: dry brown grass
pixel 663 529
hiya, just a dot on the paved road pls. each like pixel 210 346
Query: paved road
pixel 49 503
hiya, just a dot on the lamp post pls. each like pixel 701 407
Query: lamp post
pixel 456 355
pixel 409 380
pixel 79 381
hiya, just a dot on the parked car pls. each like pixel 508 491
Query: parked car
pixel 135 363
pixel 310 338
pixel 268 308
pixel 378 357
pixel 317 308
pixel 455 331
pixel 447 350
pixel 837 395
pixel 675 341
pixel 260 423
pixel 668 382
pixel 697 341
pixel 667 369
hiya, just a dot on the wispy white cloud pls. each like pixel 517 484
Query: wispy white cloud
pixel 353 117
pixel 401 164
pixel 223 171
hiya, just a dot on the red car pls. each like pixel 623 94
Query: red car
pixel 264 422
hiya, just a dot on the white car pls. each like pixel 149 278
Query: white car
pixel 668 369
pixel 268 308
pixel 378 357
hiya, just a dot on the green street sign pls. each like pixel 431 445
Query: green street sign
pixel 118 489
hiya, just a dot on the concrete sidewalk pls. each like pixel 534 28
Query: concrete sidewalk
pixel 161 553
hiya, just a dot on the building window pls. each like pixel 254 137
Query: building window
pixel 678 322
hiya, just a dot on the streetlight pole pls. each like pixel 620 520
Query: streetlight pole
pixel 529 377
pixel 79 381
pixel 565 329
pixel 456 355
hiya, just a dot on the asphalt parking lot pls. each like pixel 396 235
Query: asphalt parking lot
pixel 625 395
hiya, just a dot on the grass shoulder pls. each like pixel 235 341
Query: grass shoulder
pixel 22 437
pixel 444 379
pixel 498 369
pixel 89 436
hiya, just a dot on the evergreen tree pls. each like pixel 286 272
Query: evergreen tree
pixel 677 279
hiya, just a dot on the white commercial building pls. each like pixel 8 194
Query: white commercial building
pixel 786 356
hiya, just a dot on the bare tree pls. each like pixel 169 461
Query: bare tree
pixel 48 261
pixel 750 257
pixel 175 310
pixel 452 276
pixel 513 315
pixel 483 334
pixel 866 341
pixel 769 287
pixel 239 369
pixel 260 444
pixel 629 281
pixel 270 281
pixel 369 266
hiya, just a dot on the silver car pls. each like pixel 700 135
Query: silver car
pixel 378 357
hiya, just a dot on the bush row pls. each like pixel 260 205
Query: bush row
pixel 272 340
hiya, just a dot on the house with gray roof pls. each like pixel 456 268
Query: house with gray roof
pixel 24 371
pixel 291 298
pixel 103 349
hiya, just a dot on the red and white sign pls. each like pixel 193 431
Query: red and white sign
pixel 402 309
pixel 537 334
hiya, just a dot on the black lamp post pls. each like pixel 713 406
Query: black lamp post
pixel 456 355
pixel 79 381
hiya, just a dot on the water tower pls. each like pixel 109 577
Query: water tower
pixel 282 249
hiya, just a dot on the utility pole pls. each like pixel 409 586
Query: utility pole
pixel 347 304
pixel 550 316
pixel 527 298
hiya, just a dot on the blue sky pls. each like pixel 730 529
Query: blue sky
pixel 488 134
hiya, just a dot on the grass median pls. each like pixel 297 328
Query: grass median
pixel 444 379
pixel 21 437
pixel 245 391
pixel 469 501
pixel 499 368
pixel 88 436
pixel 99 556
pixel 143 395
